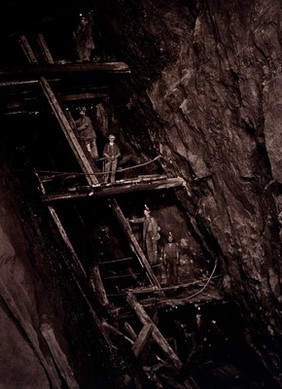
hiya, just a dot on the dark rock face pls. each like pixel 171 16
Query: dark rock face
pixel 43 341
pixel 206 82
pixel 20 367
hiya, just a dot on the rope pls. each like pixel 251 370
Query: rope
pixel 99 173
pixel 206 284
pixel 177 286
pixel 199 291
pixel 190 283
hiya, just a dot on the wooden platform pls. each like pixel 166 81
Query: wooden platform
pixel 35 71
pixel 121 186
pixel 55 186
pixel 188 296
pixel 174 297
pixel 20 92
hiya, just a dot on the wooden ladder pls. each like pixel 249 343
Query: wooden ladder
pixel 149 328
pixel 89 168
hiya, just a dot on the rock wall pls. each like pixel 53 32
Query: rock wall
pixel 20 364
pixel 205 93
pixel 48 339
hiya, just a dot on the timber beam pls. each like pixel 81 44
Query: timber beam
pixel 104 191
pixel 27 101
pixel 153 329
pixel 142 339
pixel 35 71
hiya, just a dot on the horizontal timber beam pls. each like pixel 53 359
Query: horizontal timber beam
pixel 100 191
pixel 23 105
pixel 32 71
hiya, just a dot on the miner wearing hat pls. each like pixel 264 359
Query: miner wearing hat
pixel 150 234
pixel 111 153
pixel 86 132
pixel 171 255
pixel 83 37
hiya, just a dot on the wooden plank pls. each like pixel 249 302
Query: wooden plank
pixel 98 285
pixel 141 341
pixel 40 182
pixel 27 50
pixel 82 96
pixel 125 259
pixel 177 287
pixel 111 330
pixel 19 104
pixel 60 177
pixel 52 70
pixel 58 355
pixel 67 242
pixel 127 183
pixel 44 48
pixel 130 331
pixel 133 242
pixel 156 334
pixel 209 298
pixel 68 131
pixel 128 275
pixel 95 91
pixel 102 191
pixel 17 83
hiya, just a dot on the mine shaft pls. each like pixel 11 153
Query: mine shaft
pixel 141 195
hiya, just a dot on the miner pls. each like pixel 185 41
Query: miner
pixel 150 234
pixel 86 133
pixel 83 37
pixel 111 154
pixel 171 255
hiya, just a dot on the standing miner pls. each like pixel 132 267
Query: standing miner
pixel 86 133
pixel 150 235
pixel 111 153
pixel 171 255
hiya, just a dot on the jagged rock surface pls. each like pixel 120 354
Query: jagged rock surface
pixel 206 95
pixel 38 295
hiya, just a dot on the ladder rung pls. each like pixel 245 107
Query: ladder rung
pixel 115 261
pixel 122 276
